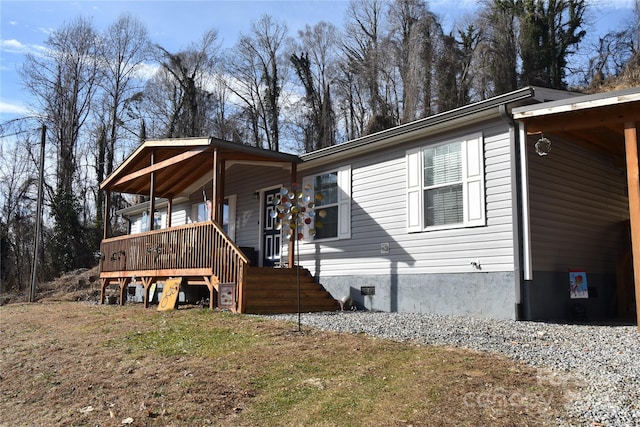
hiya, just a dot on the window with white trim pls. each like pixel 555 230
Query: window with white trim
pixel 335 204
pixel 200 213
pixel 445 185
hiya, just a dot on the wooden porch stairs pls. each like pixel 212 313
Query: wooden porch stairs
pixel 275 290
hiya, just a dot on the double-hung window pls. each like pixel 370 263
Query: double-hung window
pixel 445 185
pixel 201 211
pixel 333 206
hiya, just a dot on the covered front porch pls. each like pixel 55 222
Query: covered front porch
pixel 200 252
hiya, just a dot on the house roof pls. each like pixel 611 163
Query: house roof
pixel 432 125
pixel 182 165
pixel 596 121
pixel 179 164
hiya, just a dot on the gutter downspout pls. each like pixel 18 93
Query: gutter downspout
pixel 520 205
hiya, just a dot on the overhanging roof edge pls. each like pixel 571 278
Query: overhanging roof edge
pixel 447 116
pixel 577 103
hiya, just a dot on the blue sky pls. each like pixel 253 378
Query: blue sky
pixel 25 25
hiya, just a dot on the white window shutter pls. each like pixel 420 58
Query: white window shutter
pixel 414 190
pixel 344 202
pixel 474 206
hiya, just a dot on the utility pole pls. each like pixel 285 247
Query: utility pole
pixel 36 243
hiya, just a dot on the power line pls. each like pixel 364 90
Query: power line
pixel 18 133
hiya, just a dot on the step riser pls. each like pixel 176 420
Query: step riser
pixel 274 290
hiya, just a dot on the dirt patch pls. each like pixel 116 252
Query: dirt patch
pixel 78 363
pixel 68 361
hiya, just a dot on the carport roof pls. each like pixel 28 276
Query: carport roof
pixel 596 121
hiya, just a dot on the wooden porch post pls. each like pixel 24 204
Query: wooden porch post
pixel 124 282
pixel 169 209
pixel 292 241
pixel 152 194
pixel 213 213
pixel 103 286
pixel 220 194
pixel 633 183
pixel 105 218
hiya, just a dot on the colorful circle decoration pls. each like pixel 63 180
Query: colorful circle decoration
pixel 295 209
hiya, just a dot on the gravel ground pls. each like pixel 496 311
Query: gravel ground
pixel 604 360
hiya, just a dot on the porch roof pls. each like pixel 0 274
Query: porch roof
pixel 595 121
pixel 180 163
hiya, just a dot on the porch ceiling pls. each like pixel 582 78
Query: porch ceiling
pixel 594 121
pixel 179 163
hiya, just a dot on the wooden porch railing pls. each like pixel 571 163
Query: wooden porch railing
pixel 201 249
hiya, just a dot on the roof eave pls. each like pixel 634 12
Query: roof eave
pixel 437 123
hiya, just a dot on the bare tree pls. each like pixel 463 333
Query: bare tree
pixel 125 47
pixel 616 58
pixel 316 67
pixel 63 82
pixel 18 179
pixel 258 70
pixel 362 49
pixel 414 32
pixel 178 97
pixel 550 30
pixel 499 25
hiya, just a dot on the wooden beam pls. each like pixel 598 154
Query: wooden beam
pixel 294 236
pixel 103 286
pixel 584 119
pixel 160 165
pixel 220 195
pixel 211 282
pixel 123 290
pixel 156 274
pixel 105 218
pixel 633 183
pixel 213 212
pixel 169 209
pixel 146 282
pixel 152 195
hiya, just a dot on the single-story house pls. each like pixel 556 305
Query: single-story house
pixel 522 206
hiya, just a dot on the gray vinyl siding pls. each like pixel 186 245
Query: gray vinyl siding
pixel 244 181
pixel 378 215
pixel 578 208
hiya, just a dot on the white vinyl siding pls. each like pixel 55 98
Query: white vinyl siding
pixel 380 214
pixel 244 181
pixel 445 185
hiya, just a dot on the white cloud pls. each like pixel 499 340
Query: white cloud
pixel 12 45
pixel 9 108
pixel 16 46
pixel 146 70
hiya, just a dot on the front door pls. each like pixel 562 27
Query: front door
pixel 271 237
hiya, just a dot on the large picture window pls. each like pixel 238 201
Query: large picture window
pixel 445 185
pixel 334 187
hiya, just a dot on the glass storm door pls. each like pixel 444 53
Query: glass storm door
pixel 271 243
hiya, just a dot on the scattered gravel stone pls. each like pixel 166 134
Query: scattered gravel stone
pixel 604 360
